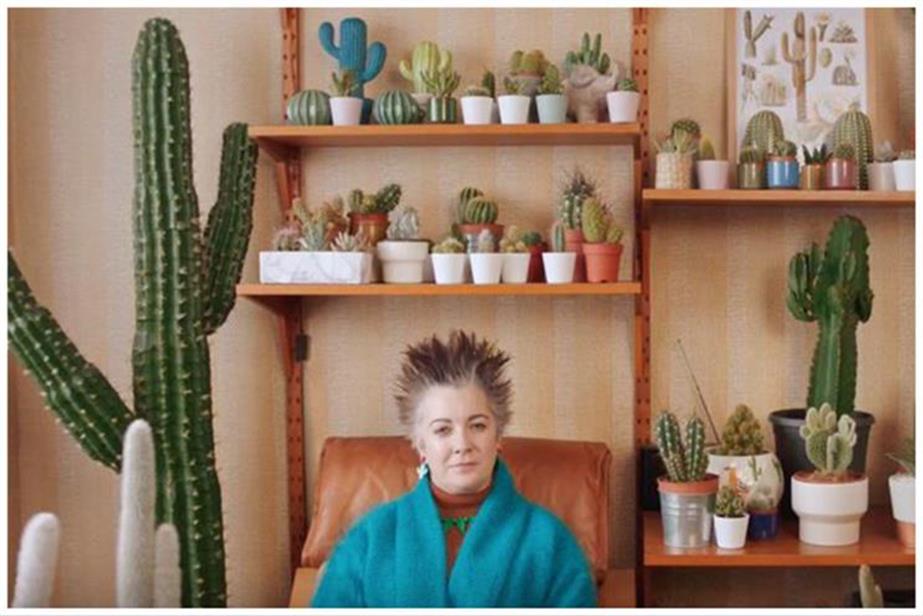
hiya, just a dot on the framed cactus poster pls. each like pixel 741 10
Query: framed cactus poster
pixel 805 65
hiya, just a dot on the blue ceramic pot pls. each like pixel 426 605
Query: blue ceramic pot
pixel 763 525
pixel 782 173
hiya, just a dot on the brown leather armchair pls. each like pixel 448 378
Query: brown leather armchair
pixel 570 478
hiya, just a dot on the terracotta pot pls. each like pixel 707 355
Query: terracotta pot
pixel 812 177
pixel 471 233
pixel 573 242
pixel 750 176
pixel 841 174
pixel 374 226
pixel 536 268
pixel 602 262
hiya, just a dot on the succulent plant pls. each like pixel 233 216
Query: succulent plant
pixel 684 459
pixel 449 245
pixel 853 127
pixel 828 441
pixel 441 84
pixel 832 288
pixel 532 238
pixel 597 223
pixel 313 236
pixel 484 242
pixel 480 211
pixel 512 87
pixel 577 187
pixel 551 81
pixel 885 153
pixel 688 126
pixel 404 224
pixel 679 142
pixel 427 58
pixel 905 456
pixel 489 81
pixel 382 202
pixel 556 236
pixel 784 149
pixel 706 149
pixel 844 151
pixel 817 156
pixel 907 155
pixel 742 435
pixel 343 83
pixel 344 242
pixel 751 154
pixel 729 503
pixel 512 240
pixel 476 90
pixel 532 63
pixel 589 55
pixel 627 85
pixel 286 239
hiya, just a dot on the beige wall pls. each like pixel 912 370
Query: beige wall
pixel 718 274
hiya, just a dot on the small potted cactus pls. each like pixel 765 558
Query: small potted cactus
pixel 905 171
pixel 558 262
pixel 478 213
pixel 623 102
pixel 588 77
pixel 687 492
pixel 831 500
pixel 750 169
pixel 535 246
pixel 577 188
pixel 396 107
pixel 731 519
pixel 514 106
pixel 812 173
pixel 782 166
pixel 442 107
pixel 515 256
pixel 881 172
pixel 758 473
pixel 712 174
pixel 486 265
pixel 449 261
pixel 674 161
pixel 345 106
pixel 478 101
pixel 403 253
pixel 841 172
pixel 528 70
pixel 902 486
pixel 551 102
pixel 426 57
pixel 369 213
pixel 309 107
pixel 602 245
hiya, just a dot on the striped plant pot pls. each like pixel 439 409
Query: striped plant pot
pixel 443 110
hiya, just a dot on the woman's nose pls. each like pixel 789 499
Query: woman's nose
pixel 462 442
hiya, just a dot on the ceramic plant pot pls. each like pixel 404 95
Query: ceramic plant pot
pixel 573 242
pixel 296 267
pixel 881 176
pixel 515 267
pixel 449 268
pixel 782 173
pixel 623 106
pixel 905 174
pixel 402 261
pixel 712 174
pixel 471 233
pixel 841 174
pixel 902 487
pixel 536 267
pixel 442 110
pixel 552 108
pixel 763 525
pixel 759 477
pixel 374 226
pixel 586 92
pixel 559 267
pixel 602 262
pixel 751 176
pixel 829 512
pixel 514 109
pixel 812 177
pixel 477 109
pixel 731 533
pixel 674 171
pixel 486 267
pixel 686 511
pixel 346 110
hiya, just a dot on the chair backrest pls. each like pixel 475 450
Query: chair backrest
pixel 570 478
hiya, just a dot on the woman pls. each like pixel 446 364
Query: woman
pixel 464 537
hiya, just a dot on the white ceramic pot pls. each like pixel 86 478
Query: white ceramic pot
pixel 759 478
pixel 905 174
pixel 402 261
pixel 346 110
pixel 552 108
pixel 514 109
pixel 903 491
pixel 486 267
pixel 623 106
pixel 515 267
pixel 731 533
pixel 477 109
pixel 449 268
pixel 674 171
pixel 294 267
pixel 712 174
pixel 881 176
pixel 829 513
pixel 559 266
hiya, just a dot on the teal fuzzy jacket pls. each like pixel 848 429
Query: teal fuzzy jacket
pixel 515 554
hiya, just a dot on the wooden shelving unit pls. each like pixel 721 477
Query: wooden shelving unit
pixel 434 290
pixel 777 198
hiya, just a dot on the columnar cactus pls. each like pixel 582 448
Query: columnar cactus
pixel 742 435
pixel 184 288
pixel 685 461
pixel 588 55
pixel 854 128
pixel 764 129
pixel 427 58
pixel 577 188
pixel 352 54
pixel 832 288
pixel 802 55
pixel 828 442
pixel 597 223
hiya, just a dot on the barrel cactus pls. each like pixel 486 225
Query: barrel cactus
pixel 597 223
pixel 828 441
pixel 764 129
pixel 832 288
pixel 184 288
pixel 481 211
pixel 853 127
pixel 742 435
pixel 396 107
pixel 684 459
pixel 311 107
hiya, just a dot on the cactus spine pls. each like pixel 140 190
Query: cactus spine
pixel 310 107
pixel 833 289
pixel 352 54
pixel 803 58
pixel 854 128
pixel 184 288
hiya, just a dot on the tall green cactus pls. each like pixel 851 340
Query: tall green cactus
pixel 854 128
pixel 184 290
pixel 833 289
pixel 684 461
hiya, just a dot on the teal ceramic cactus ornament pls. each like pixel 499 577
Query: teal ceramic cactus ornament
pixel 353 55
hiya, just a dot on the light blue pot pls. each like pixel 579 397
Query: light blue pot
pixel 782 173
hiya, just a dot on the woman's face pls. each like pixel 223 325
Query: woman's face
pixel 456 434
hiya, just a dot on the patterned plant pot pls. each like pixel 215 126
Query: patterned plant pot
pixel 812 177
pixel 782 173
pixel 674 171
pixel 841 174
pixel 443 110
pixel 750 176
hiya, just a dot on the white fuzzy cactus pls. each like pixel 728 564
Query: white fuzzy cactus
pixel 404 224
pixel 38 557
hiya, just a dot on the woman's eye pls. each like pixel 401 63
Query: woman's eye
pixel 479 426
pixel 442 431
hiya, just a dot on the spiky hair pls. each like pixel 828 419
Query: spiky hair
pixel 463 360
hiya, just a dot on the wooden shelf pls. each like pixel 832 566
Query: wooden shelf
pixel 878 546
pixel 418 290
pixel 282 142
pixel 779 198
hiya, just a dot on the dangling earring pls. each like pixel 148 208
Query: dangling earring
pixel 422 470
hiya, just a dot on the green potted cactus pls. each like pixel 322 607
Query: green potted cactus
pixel 831 287
pixel 550 99
pixel 687 492
pixel 588 77
pixel 854 128
pixel 535 246
pixel 345 106
pixel 674 161
pixel 403 253
pixel 602 246
pixel 528 70
pixel 782 166
pixel 902 487
pixel 905 175
pixel 711 174
pixel 577 188
pixel 478 213
pixel 881 172
pixel 515 256
pixel 486 263
pixel 514 105
pixel 427 57
pixel 830 500
pixel 477 103
pixel 449 261
pixel 812 173
pixel 623 102
pixel 759 475
pixel 559 263
pixel 841 172
pixel 368 213
pixel 396 107
pixel 731 519
pixel 750 168
pixel 442 107
pixel 764 129
pixel 308 107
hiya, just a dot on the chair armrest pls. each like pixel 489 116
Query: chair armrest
pixel 618 589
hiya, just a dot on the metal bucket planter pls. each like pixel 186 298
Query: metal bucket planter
pixel 812 177
pixel 686 511
pixel 751 176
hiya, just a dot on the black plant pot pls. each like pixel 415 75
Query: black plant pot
pixel 651 468
pixel 890 598
pixel 790 447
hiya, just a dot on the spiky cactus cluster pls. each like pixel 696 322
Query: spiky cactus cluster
pixel 597 223
pixel 382 202
pixel 678 142
pixel 742 435
pixel 589 55
pixel 844 151
pixel 684 459
pixel 688 126
pixel 344 242
pixel 532 63
pixel 828 441
pixel 512 87
pixel 729 503
pixel 854 128
pixel 551 81
pixel 832 288
pixel 576 188
pixel 763 130
pixel 449 245
pixel 784 149
pixel 481 211
pixel 512 240
pixel 404 224
pixel 817 156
